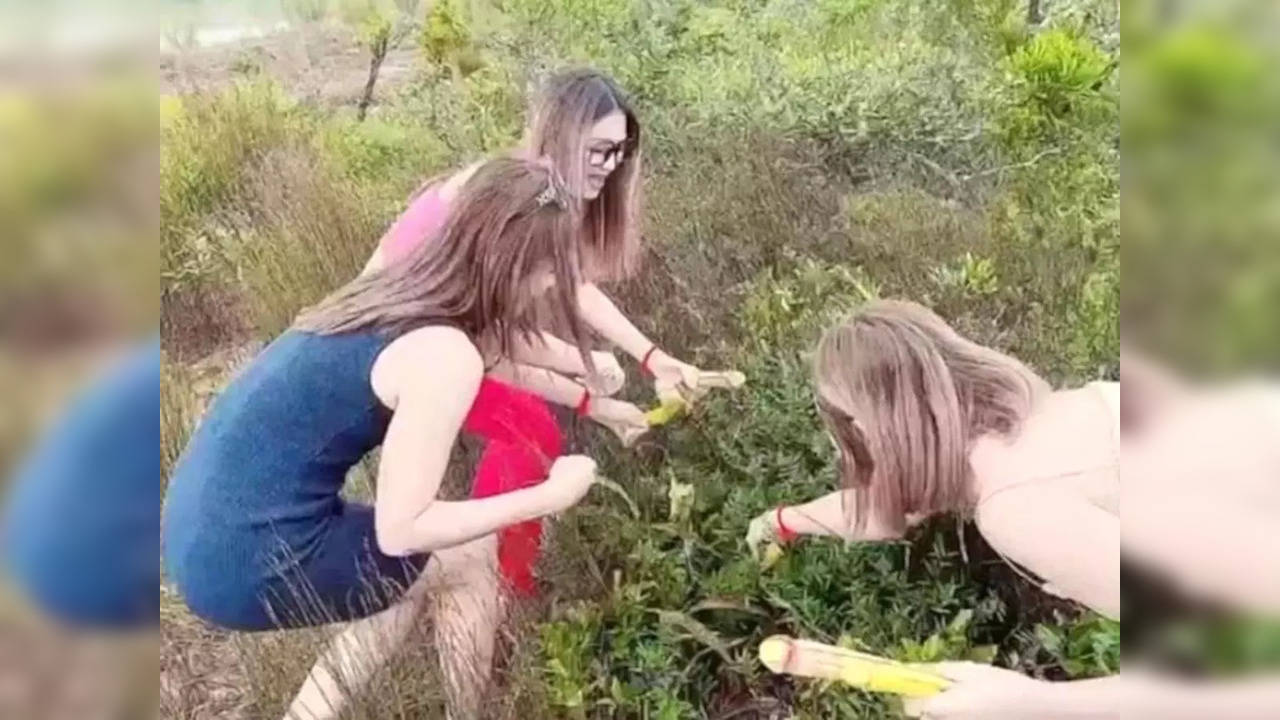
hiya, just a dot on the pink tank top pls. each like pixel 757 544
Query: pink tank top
pixel 420 221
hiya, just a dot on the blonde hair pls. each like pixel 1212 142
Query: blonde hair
pixel 511 220
pixel 567 107
pixel 905 397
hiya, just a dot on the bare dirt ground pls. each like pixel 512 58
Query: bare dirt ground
pixel 321 63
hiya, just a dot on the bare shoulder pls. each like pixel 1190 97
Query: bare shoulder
pixel 447 349
pixel 430 360
pixel 1008 517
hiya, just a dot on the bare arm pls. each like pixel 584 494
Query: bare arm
pixel 1147 389
pixel 822 517
pixel 623 418
pixel 375 262
pixel 1072 544
pixel 544 383
pixel 1100 698
pixel 600 313
pixel 826 517
pixel 548 351
pixel 1153 698
pixel 429 411
pixel 992 693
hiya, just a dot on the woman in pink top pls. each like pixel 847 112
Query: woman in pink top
pixel 583 124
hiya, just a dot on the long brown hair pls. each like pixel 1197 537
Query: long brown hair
pixel 511 220
pixel 905 396
pixel 567 107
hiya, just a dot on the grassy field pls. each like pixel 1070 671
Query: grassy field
pixel 801 157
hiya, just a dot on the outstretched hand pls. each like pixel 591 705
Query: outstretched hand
pixel 762 531
pixel 980 692
pixel 622 418
pixel 673 376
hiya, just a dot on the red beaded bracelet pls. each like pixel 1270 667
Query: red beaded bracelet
pixel 785 534
pixel 644 364
pixel 584 404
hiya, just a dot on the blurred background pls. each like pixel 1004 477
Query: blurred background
pixel 79 289
pixel 1201 218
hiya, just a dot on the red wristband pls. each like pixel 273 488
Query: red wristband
pixel 644 364
pixel 785 534
pixel 584 404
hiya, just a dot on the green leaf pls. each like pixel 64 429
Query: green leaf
pixel 714 604
pixel 1049 638
pixel 982 654
pixel 617 489
pixel 960 624
pixel 697 630
pixel 933 649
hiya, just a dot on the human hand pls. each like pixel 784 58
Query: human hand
pixel 762 531
pixel 981 692
pixel 673 376
pixel 622 418
pixel 570 478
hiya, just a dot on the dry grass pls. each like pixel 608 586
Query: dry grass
pixel 202 676
pixel 53 672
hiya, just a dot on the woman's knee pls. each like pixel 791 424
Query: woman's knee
pixel 473 563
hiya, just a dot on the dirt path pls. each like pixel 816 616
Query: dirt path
pixel 323 64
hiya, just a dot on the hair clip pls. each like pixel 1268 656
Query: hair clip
pixel 547 196
pixel 553 193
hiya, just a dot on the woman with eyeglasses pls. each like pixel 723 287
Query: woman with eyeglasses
pixel 583 125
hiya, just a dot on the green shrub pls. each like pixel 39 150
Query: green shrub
pixel 446 32
pixel 1089 647
pixel 1058 81
pixel 970 275
pixel 210 148
pixel 792 311
pixel 383 150
pixel 566 647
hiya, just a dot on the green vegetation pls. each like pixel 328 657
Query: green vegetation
pixel 800 158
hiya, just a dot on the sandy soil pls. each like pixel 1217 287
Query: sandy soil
pixel 321 63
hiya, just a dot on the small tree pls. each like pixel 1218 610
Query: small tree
pixel 1035 12
pixel 379 32
pixel 445 35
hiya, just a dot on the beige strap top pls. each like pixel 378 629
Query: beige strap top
pixel 1108 395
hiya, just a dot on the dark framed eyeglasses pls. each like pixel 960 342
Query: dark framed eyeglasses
pixel 600 156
